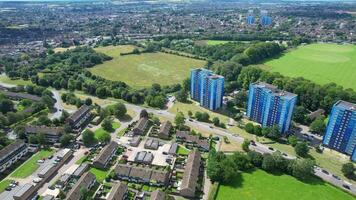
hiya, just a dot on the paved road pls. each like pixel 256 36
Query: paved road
pixel 58 105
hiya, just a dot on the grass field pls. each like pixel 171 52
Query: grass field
pixel 27 168
pixel 321 63
pixel 182 150
pixel 4 184
pixel 259 185
pixel 99 174
pixel 7 80
pixel 142 70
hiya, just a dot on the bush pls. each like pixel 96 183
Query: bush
pixel 301 149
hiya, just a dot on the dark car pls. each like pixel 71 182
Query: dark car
pixel 284 154
pixel 8 188
pixel 324 171
pixel 50 157
pixel 336 177
pixel 270 148
pixel 346 186
pixel 253 143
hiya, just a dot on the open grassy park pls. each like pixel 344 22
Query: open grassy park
pixel 321 63
pixel 260 185
pixel 144 69
pixel 31 165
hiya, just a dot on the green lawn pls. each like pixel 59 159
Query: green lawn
pixel 115 125
pixel 4 184
pixel 99 174
pixel 7 80
pixel 216 42
pixel 142 70
pixel 259 185
pixel 27 168
pixel 321 63
pixel 182 150
pixel 81 160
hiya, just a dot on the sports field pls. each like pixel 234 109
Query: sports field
pixel 260 185
pixel 144 69
pixel 321 63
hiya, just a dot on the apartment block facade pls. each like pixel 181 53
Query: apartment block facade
pixel 270 106
pixel 207 88
pixel 340 133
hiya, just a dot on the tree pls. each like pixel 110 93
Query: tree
pixel 107 124
pixel 104 137
pixel 268 163
pixel 65 139
pixel 241 161
pixel 292 140
pixel 84 192
pixel 88 101
pixel 249 128
pixel 33 139
pixel 257 130
pixel 41 138
pixel 182 96
pixel 348 169
pixel 245 145
pixel 120 110
pixel 20 132
pixel 255 158
pixel 318 126
pixel 299 115
pixel 216 121
pixel 301 149
pixel 301 168
pixel 6 105
pixel 88 137
pixel 179 120
pixel 274 133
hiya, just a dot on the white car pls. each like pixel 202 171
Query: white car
pixel 37 180
pixel 40 161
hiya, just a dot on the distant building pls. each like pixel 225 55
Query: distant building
pixel 86 181
pixel 106 154
pixel 265 19
pixel 340 133
pixel 250 19
pixel 207 88
pixel 52 134
pixel 270 106
pixel 191 175
pixel 81 116
pixel 11 154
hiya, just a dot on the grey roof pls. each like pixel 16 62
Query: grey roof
pixel 173 149
pixel 84 181
pixel 11 148
pixel 106 153
pixel 48 197
pixel 79 113
pixel 144 156
pixel 346 105
pixel 193 138
pixel 44 129
pixel 21 95
pixel 274 90
pixel 81 169
pixel 46 169
pixel 135 141
pixel 118 191
pixel 141 124
pixel 165 128
pixel 158 195
pixel 151 144
pixel 142 173
pixel 64 178
pixel 191 171
pixel 23 192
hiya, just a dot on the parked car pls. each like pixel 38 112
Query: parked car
pixel 50 157
pixel 346 186
pixel 8 188
pixel 284 154
pixel 270 148
pixel 40 161
pixel 336 177
pixel 324 171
